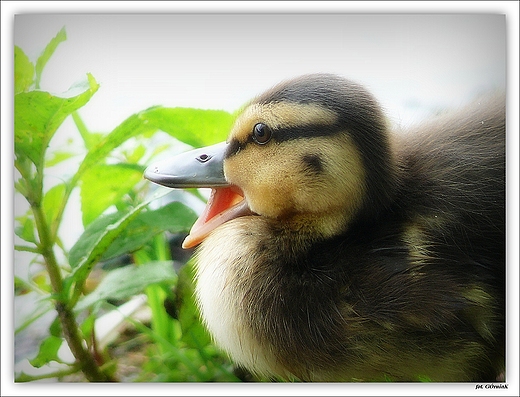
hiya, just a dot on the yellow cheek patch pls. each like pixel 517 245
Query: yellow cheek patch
pixel 277 183
pixel 280 115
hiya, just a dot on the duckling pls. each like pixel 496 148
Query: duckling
pixel 333 248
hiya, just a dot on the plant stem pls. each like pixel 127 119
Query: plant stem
pixel 70 331
pixel 45 248
pixel 65 314
pixel 68 191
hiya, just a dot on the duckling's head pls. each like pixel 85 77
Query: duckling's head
pixel 311 153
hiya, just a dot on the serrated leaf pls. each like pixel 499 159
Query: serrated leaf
pixel 38 114
pixel 52 201
pixel 196 127
pixel 48 351
pixel 128 281
pixel 104 185
pixel 23 71
pixel 47 53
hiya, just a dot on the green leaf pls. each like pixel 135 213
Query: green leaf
pixel 87 327
pixel 56 329
pixel 23 71
pixel 174 217
pixel 196 127
pixel 93 238
pixel 47 53
pixel 52 201
pixel 58 157
pixel 98 237
pixel 193 126
pixel 48 352
pixel 38 114
pixel 26 230
pixel 104 185
pixel 89 138
pixel 137 154
pixel 128 281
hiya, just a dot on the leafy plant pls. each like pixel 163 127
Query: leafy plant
pixel 118 221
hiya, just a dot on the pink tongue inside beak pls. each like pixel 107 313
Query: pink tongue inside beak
pixel 223 205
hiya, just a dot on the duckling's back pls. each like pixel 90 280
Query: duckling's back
pixel 454 169
pixel 416 293
pixel 430 271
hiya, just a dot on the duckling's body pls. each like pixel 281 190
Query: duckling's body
pixel 388 264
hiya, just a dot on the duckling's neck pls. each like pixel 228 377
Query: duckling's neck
pixel 252 272
pixel 309 228
pixel 236 265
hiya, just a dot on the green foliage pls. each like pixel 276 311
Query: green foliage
pixel 192 126
pixel 48 351
pixel 51 202
pixel 25 229
pixel 118 221
pixel 37 116
pixel 24 71
pixel 125 282
pixel 118 180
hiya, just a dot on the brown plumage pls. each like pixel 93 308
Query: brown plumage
pixel 357 253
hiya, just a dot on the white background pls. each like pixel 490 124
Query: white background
pixel 414 64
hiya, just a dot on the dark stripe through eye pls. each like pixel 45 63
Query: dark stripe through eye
pixel 305 131
pixel 287 134
pixel 234 147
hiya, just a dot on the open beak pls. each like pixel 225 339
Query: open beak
pixel 202 168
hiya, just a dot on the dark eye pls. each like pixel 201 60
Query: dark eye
pixel 261 133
